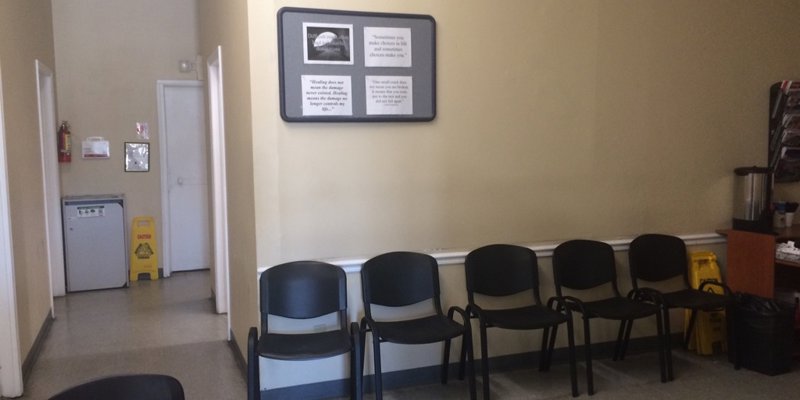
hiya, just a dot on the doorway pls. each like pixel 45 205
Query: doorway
pixel 184 177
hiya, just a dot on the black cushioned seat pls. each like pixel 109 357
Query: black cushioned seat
pixel 655 258
pixel 498 271
pixel 582 265
pixel 303 290
pixel 399 279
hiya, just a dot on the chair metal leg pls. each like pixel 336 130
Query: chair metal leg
pixel 668 341
pixel 689 329
pixel 445 361
pixel 376 354
pixel 661 347
pixel 253 377
pixel 544 353
pixel 362 339
pixel 461 360
pixel 626 340
pixel 573 369
pixel 356 391
pixel 620 339
pixel 471 367
pixel 484 362
pixel 588 355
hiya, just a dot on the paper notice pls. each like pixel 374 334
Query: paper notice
pixel 326 95
pixel 387 47
pixel 389 95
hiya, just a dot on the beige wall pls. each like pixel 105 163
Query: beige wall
pixel 110 53
pixel 556 120
pixel 25 36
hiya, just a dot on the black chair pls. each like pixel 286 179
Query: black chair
pixel 657 258
pixel 587 264
pixel 304 290
pixel 401 279
pixel 501 270
pixel 126 387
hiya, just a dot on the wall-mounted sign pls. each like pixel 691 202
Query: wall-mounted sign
pixel 95 147
pixel 350 66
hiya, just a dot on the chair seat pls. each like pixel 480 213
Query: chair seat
pixel 696 299
pixel 305 346
pixel 619 308
pixel 419 331
pixel 529 317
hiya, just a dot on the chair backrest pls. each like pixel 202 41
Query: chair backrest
pixel 302 290
pixel 126 387
pixel 501 270
pixel 655 257
pixel 400 278
pixel 584 264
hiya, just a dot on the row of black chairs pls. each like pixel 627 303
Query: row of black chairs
pixel 310 289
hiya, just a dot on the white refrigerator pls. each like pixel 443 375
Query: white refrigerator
pixel 95 243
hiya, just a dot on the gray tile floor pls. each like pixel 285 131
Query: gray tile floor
pixel 696 377
pixel 166 326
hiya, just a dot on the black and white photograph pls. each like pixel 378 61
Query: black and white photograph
pixel 328 43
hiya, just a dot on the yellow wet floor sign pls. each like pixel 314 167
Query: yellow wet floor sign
pixel 144 254
pixel 710 332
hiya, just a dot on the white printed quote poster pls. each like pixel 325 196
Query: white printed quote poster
pixel 390 95
pixel 387 47
pixel 326 95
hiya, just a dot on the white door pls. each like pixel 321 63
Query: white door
pixel 52 186
pixel 216 118
pixel 184 176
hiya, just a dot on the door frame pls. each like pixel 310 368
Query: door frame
pixel 51 186
pixel 219 200
pixel 161 86
pixel 11 373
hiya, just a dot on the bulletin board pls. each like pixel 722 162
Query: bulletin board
pixel 349 66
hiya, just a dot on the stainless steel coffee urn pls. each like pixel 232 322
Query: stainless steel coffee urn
pixel 752 195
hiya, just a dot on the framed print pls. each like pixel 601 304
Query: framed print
pixel 137 157
pixel 327 43
pixel 352 66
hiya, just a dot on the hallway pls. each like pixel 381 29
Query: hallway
pixel 166 326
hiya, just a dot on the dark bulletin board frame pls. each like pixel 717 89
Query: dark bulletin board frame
pixel 295 62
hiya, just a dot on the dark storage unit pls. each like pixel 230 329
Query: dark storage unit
pixel 762 337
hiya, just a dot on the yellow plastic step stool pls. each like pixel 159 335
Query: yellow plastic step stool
pixel 144 254
pixel 710 330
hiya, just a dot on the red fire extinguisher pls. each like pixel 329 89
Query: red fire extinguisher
pixel 64 143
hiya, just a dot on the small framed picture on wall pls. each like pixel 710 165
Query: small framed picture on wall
pixel 137 157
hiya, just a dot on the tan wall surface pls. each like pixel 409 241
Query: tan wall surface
pixel 109 56
pixel 26 35
pixel 556 120
pixel 225 24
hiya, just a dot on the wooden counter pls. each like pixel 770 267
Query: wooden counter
pixel 752 266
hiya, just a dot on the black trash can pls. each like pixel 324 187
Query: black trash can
pixel 762 337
